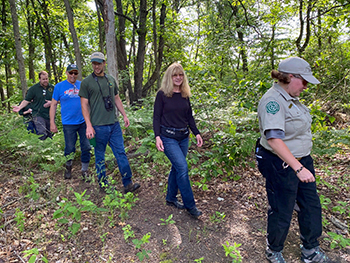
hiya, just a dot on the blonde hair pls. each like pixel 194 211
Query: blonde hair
pixel 167 81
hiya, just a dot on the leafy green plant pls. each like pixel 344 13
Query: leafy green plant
pixel 139 246
pixel 167 221
pixel 233 252
pixel 31 186
pixel 34 252
pixel 337 240
pixel 199 260
pixel 325 201
pixel 128 232
pixel 342 208
pixel 19 219
pixel 73 210
pixel 1 212
pixel 103 236
pixel 117 201
pixel 217 217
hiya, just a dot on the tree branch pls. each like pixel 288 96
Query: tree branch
pixel 128 18
pixel 327 11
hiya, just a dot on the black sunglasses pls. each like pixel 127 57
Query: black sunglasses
pixel 71 73
pixel 300 77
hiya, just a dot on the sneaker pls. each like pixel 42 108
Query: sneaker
pixel 314 255
pixel 194 212
pixel 274 257
pixel 131 187
pixel 68 172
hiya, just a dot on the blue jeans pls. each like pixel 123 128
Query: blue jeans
pixel 284 189
pixel 31 127
pixel 112 135
pixel 70 138
pixel 176 152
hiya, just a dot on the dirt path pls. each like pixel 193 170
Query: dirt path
pixel 243 203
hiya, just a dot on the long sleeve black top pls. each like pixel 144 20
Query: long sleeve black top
pixel 174 112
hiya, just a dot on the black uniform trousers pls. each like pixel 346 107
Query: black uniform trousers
pixel 284 189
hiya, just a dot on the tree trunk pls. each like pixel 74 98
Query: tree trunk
pixel 100 25
pixel 273 46
pixel 8 85
pixel 122 58
pixel 140 57
pixel 159 52
pixel 301 48
pixel 43 35
pixel 4 57
pixel 66 45
pixel 74 37
pixel 111 49
pixel 2 95
pixel 21 68
pixel 31 46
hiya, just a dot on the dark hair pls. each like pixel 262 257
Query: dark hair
pixel 280 76
pixel 42 73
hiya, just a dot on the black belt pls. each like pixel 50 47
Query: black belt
pixel 175 129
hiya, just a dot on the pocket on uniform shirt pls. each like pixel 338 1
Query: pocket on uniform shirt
pixel 296 120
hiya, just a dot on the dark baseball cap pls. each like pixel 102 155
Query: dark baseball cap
pixel 72 67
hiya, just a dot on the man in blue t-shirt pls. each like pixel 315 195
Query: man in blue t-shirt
pixel 66 92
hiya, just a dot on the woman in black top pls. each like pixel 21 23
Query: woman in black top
pixel 172 117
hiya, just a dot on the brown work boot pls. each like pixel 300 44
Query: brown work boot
pixel 131 187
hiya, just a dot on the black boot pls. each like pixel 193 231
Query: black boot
pixel 68 172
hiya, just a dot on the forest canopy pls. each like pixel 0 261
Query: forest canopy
pixel 231 45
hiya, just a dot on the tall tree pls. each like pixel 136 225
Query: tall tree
pixel 74 37
pixel 111 49
pixel 31 40
pixel 18 44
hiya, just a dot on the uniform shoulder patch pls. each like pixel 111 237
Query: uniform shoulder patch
pixel 272 107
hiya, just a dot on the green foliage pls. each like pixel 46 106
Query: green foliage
pixel 199 260
pixel 167 221
pixel 20 217
pixel 337 240
pixel 230 148
pixel 72 210
pixel 139 246
pixel 103 236
pixel 319 118
pixel 117 201
pixel 325 201
pixel 342 208
pixel 330 141
pixel 128 232
pixel 31 187
pixel 15 138
pixel 233 252
pixel 1 212
pixel 34 252
pixel 217 217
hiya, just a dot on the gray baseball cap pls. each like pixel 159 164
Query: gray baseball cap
pixel 97 57
pixel 296 65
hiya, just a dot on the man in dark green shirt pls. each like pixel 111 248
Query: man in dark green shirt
pixel 39 95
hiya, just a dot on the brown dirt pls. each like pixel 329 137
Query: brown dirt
pixel 243 202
